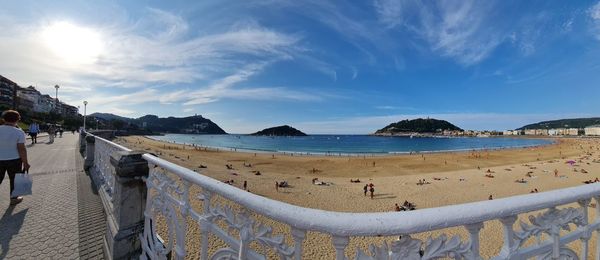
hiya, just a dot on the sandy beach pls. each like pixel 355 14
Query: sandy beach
pixel 451 178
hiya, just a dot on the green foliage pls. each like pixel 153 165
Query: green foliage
pixel 564 123
pixel 283 130
pixel 152 123
pixel 419 125
pixel 28 117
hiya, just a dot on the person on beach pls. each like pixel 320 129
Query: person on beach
pixel 397 208
pixel 277 186
pixel 366 188
pixel 490 197
pixel 245 185
pixel 555 172
pixel 372 190
pixel 34 129
pixel 13 153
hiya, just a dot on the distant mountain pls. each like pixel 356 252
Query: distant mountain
pixel 564 123
pixel 109 117
pixel 284 130
pixel 419 126
pixel 191 124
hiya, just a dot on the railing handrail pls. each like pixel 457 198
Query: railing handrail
pixel 118 146
pixel 383 223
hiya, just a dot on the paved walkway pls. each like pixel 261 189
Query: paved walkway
pixel 63 219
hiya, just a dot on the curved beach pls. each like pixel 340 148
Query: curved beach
pixel 452 178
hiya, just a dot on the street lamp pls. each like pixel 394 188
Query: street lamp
pixel 56 101
pixel 84 113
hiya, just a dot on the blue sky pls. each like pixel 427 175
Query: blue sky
pixel 321 66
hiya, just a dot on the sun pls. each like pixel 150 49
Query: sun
pixel 73 44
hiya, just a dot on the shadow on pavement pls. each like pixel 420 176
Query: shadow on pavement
pixel 10 225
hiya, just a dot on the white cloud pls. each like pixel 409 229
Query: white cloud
pixel 456 29
pixel 594 12
pixel 390 12
pixel 225 88
pixel 157 48
pixel 118 111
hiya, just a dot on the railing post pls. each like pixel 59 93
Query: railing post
pixel 509 237
pixel 474 234
pixel 205 224
pixel 82 144
pixel 298 235
pixel 90 144
pixel 340 243
pixel 126 219
pixel 585 239
pixel 597 199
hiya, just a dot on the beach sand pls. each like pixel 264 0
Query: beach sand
pixel 454 178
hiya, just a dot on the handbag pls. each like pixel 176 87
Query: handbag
pixel 23 183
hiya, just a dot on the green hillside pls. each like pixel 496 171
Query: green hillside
pixel 420 125
pixel 564 123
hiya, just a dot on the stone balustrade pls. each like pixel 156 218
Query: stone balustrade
pixel 556 219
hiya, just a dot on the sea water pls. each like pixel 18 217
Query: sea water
pixel 349 144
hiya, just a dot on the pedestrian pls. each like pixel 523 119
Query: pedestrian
pixel 490 197
pixel 60 132
pixel 372 190
pixel 555 172
pixel 245 185
pixel 366 188
pixel 51 133
pixel 34 129
pixel 277 186
pixel 13 154
pixel 397 208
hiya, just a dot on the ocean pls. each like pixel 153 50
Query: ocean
pixel 349 144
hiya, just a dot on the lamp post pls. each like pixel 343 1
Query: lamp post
pixel 56 100
pixel 84 113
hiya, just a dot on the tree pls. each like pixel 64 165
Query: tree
pixel 117 124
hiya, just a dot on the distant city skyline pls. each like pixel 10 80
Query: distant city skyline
pixel 347 67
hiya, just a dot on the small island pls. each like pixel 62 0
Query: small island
pixel 284 130
pixel 418 127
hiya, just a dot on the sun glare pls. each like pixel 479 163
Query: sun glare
pixel 72 43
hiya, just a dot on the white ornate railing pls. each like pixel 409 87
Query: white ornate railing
pixel 550 230
pixel 102 171
pixel 235 224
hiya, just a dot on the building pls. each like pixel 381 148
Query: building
pixel 7 92
pixel 24 104
pixel 593 130
pixel 541 131
pixel 572 131
pixel 46 104
pixel 68 110
pixel 29 96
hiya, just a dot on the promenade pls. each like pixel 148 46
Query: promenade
pixel 63 219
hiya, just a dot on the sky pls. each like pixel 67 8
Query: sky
pixel 347 67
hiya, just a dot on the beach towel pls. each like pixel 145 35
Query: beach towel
pixel 23 183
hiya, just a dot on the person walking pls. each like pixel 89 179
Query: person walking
pixel 372 190
pixel 365 189
pixel 34 129
pixel 51 133
pixel 13 154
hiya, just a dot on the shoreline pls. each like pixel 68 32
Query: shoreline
pixel 449 178
pixel 553 141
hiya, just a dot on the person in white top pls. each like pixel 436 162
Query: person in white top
pixel 13 154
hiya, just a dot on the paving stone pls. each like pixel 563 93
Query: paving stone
pixel 47 224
